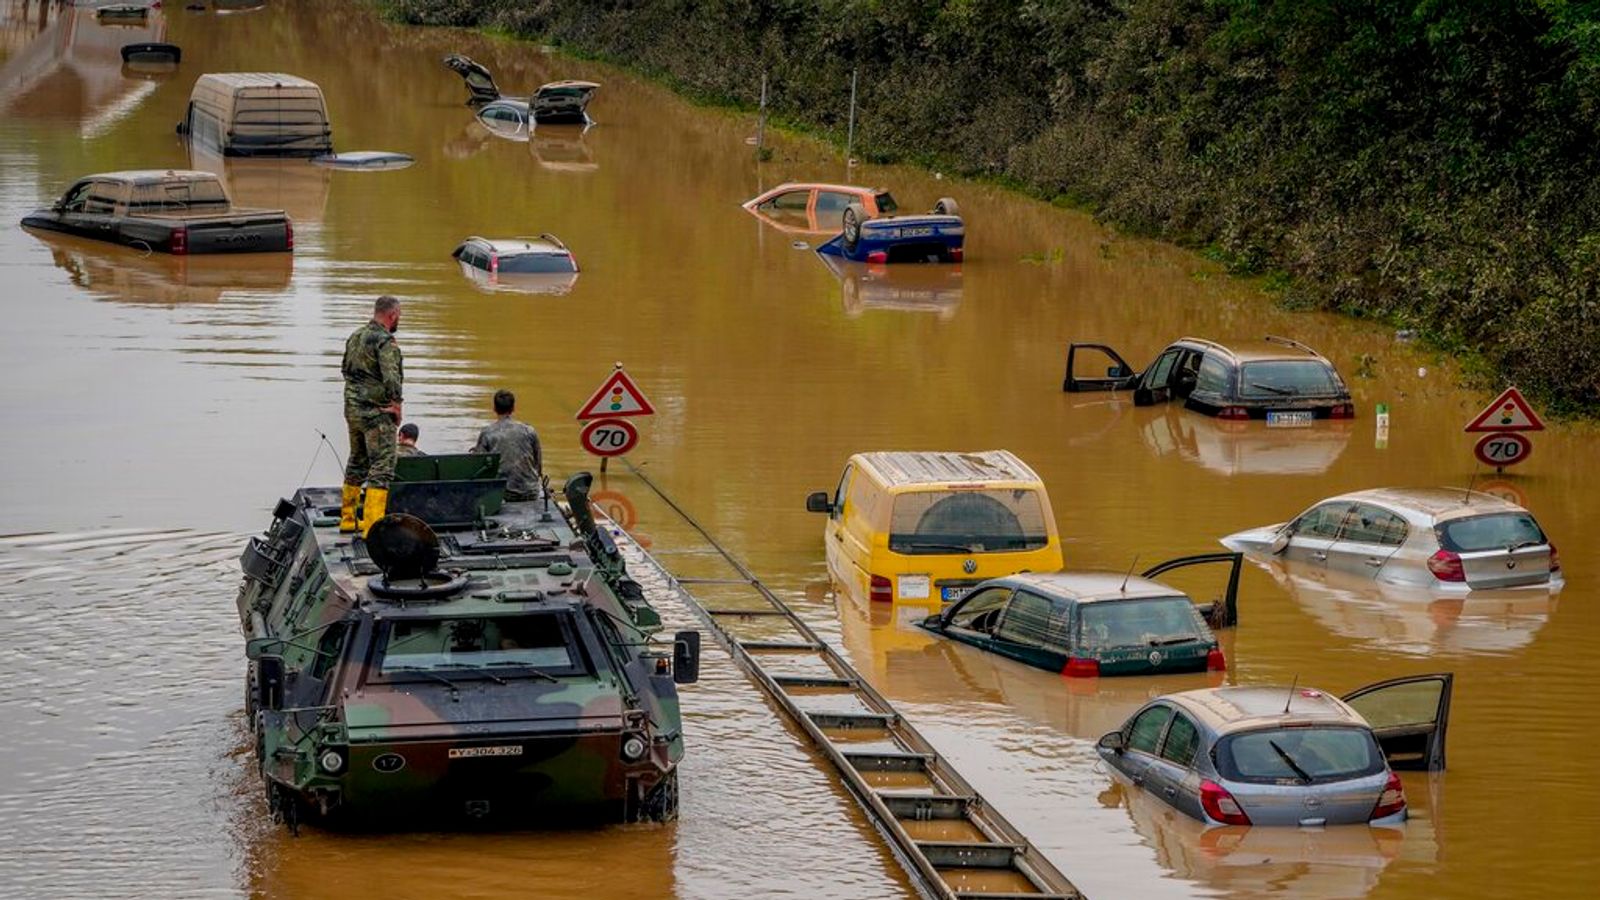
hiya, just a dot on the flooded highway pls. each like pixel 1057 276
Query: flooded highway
pixel 156 407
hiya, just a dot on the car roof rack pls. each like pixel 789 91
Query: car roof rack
pixel 1290 342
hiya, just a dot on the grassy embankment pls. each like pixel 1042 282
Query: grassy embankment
pixel 1431 164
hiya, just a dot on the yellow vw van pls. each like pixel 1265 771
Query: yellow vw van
pixel 923 528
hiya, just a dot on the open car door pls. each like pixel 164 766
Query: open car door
pixel 1223 612
pixel 1119 375
pixel 1408 716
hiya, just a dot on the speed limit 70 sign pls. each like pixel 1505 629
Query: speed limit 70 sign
pixel 1505 448
pixel 609 437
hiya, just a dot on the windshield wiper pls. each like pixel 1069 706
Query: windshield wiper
pixel 1280 391
pixel 491 676
pixel 431 674
pixel 1305 777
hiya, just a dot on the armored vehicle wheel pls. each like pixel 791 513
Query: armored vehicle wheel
pixel 946 207
pixel 854 215
pixel 659 804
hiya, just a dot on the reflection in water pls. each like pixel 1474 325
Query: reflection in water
pixel 1241 448
pixel 129 276
pixel 293 185
pixel 1411 620
pixel 64 63
pixel 562 148
pixel 553 284
pixel 906 288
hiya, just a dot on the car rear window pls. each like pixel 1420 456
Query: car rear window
pixel 1288 378
pixel 1154 622
pixel 967 522
pixel 1491 532
pixel 536 263
pixel 201 194
pixel 1321 753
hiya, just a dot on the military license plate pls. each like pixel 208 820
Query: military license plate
pixel 1289 418
pixel 917 231
pixel 475 752
pixel 952 594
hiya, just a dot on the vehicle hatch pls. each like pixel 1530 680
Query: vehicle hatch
pixel 1497 550
pixel 1300 774
pixel 1288 380
pixel 968 521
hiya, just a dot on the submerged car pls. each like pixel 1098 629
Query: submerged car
pixel 469 660
pixel 563 102
pixel 1087 624
pixel 1277 379
pixel 867 221
pixel 925 528
pixel 1444 540
pixel 1285 755
pixel 541 265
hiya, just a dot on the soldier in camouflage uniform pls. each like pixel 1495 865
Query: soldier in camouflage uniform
pixel 373 375
pixel 521 458
pixel 407 446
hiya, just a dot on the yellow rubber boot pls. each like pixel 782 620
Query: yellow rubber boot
pixel 372 508
pixel 347 508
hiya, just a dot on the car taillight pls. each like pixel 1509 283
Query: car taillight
pixel 1216 662
pixel 1446 566
pixel 955 254
pixel 878 256
pixel 288 233
pixel 494 263
pixel 1220 805
pixel 1555 559
pixel 180 240
pixel 1233 412
pixel 1392 800
pixel 881 591
pixel 1343 411
pixel 1080 667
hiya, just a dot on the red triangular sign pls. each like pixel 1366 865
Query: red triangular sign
pixel 1508 412
pixel 617 397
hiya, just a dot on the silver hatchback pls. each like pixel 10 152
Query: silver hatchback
pixel 1444 540
pixel 1285 755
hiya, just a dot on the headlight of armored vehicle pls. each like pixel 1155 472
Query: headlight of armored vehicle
pixel 332 761
pixel 634 748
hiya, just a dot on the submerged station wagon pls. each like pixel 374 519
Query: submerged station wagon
pixel 1444 540
pixel 1285 755
pixel 1277 379
pixel 924 528
pixel 1086 624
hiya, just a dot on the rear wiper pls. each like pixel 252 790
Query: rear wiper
pixel 1305 777
pixel 491 676
pixel 1174 639
pixel 1280 391
pixel 1515 547
pixel 963 548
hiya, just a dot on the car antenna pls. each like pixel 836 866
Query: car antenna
pixel 1124 588
pixel 1290 699
pixel 1467 494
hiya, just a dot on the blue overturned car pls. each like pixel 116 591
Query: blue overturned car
pixel 870 231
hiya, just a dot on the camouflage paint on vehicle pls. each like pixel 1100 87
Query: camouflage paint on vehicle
pixel 341 736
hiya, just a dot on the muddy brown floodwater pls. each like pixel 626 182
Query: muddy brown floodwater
pixel 154 408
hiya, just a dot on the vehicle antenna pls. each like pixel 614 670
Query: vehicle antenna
pixel 1290 699
pixel 1124 588
pixel 1467 494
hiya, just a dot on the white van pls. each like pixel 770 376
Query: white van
pixel 257 114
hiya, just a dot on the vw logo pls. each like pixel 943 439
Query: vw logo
pixel 389 762
pixel 969 566
pixel 1155 657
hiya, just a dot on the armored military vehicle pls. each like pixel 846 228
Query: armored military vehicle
pixel 470 660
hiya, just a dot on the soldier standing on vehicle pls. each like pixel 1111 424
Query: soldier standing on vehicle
pixel 373 374
pixel 407 445
pixel 521 459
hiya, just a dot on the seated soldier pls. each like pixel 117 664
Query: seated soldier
pixel 521 459
pixel 406 441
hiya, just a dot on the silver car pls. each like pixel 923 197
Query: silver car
pixel 1446 540
pixel 1285 755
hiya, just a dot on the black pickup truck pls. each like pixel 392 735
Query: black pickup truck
pixel 169 211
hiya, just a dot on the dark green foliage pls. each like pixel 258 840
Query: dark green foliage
pixel 1431 162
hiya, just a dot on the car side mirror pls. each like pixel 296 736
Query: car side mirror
pixel 1112 742
pixel 269 682
pixel 818 503
pixel 1117 372
pixel 686 657
pixel 1280 541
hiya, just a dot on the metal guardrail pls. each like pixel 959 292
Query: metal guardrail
pixel 953 844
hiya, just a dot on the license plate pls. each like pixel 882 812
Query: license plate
pixel 475 752
pixel 952 594
pixel 1289 418
pixel 918 231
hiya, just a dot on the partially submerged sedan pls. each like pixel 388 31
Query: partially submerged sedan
pixel 1277 379
pixel 1443 540
pixel 1087 624
pixel 1285 755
